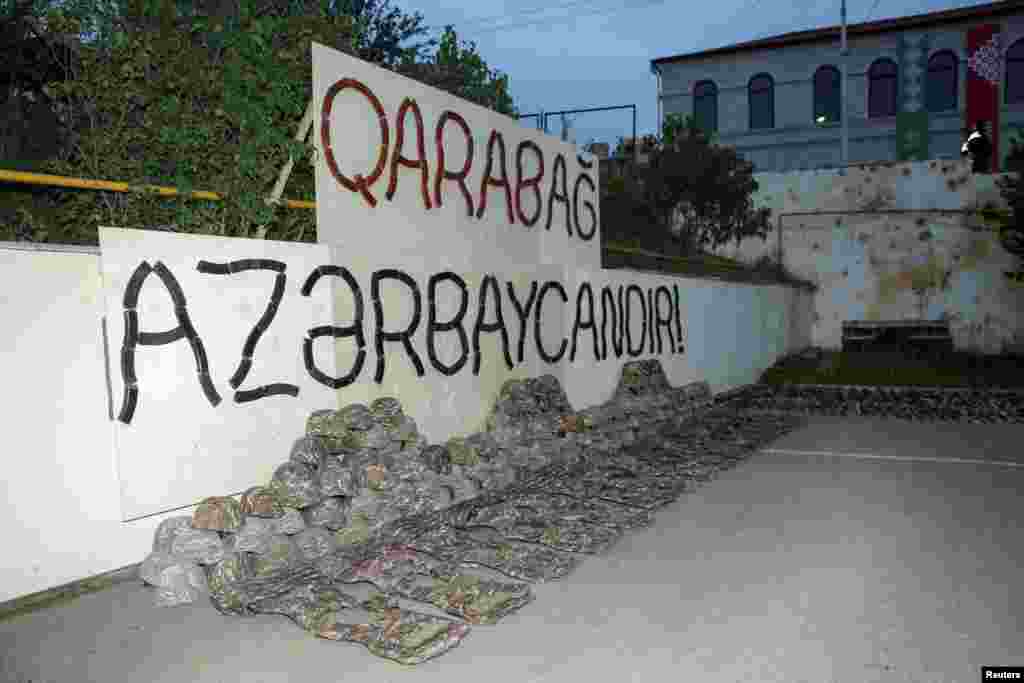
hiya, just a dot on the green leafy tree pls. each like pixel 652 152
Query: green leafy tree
pixel 210 107
pixel 207 94
pixel 695 185
pixel 382 32
pixel 1011 229
pixel 457 68
pixel 710 186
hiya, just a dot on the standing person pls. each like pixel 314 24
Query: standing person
pixel 979 148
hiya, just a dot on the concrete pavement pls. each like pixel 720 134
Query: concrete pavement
pixel 796 566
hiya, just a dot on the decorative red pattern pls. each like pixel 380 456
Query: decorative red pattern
pixel 982 94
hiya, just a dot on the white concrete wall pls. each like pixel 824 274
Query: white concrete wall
pixel 868 265
pixel 176 443
pixel 443 406
pixel 60 494
pixel 62 499
pixel 731 332
pixel 88 483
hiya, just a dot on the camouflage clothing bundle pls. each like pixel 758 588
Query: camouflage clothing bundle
pixel 364 503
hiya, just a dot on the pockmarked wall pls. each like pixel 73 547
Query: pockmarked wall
pixel 905 259
pixel 173 367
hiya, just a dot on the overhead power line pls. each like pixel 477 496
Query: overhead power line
pixel 603 10
pixel 872 10
pixel 480 22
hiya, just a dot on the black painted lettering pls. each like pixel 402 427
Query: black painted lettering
pixel 404 336
pixel 523 311
pixel 537 322
pixel 664 320
pixel 680 347
pixel 489 284
pixel 249 349
pixel 133 337
pixel 608 310
pixel 336 332
pixel 650 318
pixel 630 290
pixel 455 324
pixel 588 323
pixel 623 314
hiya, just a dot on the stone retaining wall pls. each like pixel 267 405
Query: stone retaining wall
pixel 919 404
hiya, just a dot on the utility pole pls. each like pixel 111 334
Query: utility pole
pixel 844 139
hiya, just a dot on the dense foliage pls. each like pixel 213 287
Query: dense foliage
pixel 1011 232
pixel 691 191
pixel 208 95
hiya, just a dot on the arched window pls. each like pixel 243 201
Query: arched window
pixel 761 100
pixel 940 90
pixel 1015 72
pixel 705 106
pixel 882 88
pixel 826 94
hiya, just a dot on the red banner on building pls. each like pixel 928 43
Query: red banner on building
pixel 984 70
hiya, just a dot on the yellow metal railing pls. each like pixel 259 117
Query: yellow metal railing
pixel 25 178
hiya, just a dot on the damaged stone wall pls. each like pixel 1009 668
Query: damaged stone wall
pixel 906 261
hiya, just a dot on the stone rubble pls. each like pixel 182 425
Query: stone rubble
pixel 917 404
pixel 364 499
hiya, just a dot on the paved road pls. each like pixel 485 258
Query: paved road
pixel 794 567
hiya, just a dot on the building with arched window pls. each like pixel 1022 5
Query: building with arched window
pixel 705 105
pixel 942 92
pixel 915 85
pixel 761 99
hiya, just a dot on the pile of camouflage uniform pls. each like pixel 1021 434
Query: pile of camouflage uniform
pixel 461 528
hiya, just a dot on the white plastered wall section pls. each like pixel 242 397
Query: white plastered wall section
pixel 866 266
pixel 82 473
pixel 60 497
pixel 62 502
pixel 177 447
pixel 443 406
pixel 401 233
pixel 731 332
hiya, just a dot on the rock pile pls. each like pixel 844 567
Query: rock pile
pixel 364 499
pixel 907 403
